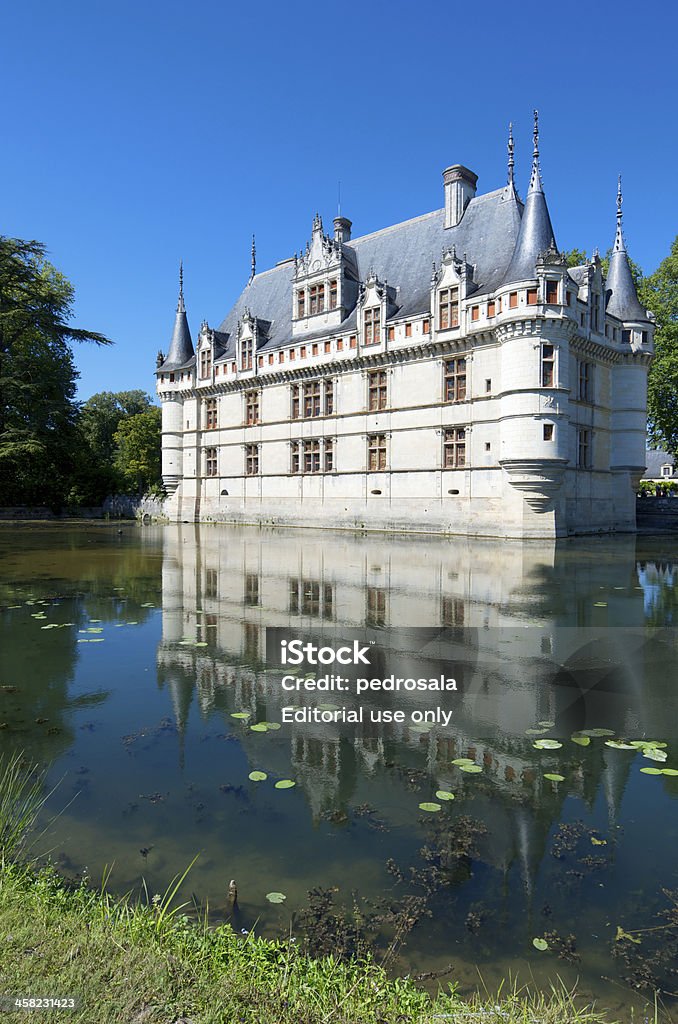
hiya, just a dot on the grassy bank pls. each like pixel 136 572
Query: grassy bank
pixel 142 964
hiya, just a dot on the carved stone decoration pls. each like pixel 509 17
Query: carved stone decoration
pixel 538 479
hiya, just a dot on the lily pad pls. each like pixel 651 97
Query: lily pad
pixel 598 842
pixel 540 944
pixel 444 794
pixel 428 806
pixel 259 727
pixel 619 745
pixel 240 714
pixel 285 784
pixel 546 725
pixel 552 777
pixel 652 771
pixel 583 741
pixel 463 760
pixel 471 768
pixel 655 754
pixel 536 732
pixel 669 771
pixel 276 897
pixel 271 725
pixel 257 776
pixel 547 744
pixel 597 732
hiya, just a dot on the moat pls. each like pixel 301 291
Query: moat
pixel 132 664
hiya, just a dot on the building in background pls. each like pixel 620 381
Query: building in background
pixel 449 374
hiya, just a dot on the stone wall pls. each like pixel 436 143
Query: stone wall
pixel 657 515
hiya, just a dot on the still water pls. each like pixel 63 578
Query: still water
pixel 126 651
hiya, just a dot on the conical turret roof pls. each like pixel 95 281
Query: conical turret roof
pixel 181 345
pixel 536 231
pixel 620 288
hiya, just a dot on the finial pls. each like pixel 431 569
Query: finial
pixel 535 179
pixel 254 259
pixel 339 198
pixel 180 304
pixel 510 154
pixel 619 237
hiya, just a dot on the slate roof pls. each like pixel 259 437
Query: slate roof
pixel 620 289
pixel 402 255
pixel 180 352
pixel 654 462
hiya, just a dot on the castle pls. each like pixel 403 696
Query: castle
pixel 449 374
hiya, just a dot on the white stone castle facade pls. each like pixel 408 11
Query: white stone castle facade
pixel 449 374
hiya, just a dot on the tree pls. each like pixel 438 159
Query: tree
pixel 659 293
pixel 38 412
pixel 138 457
pixel 102 414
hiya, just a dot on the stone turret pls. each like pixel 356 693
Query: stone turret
pixel 621 294
pixel 181 345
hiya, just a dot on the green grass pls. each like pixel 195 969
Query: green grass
pixel 145 964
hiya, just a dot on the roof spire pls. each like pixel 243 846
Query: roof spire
pixel 180 350
pixel 181 308
pixel 511 160
pixel 535 179
pixel 620 288
pixel 254 259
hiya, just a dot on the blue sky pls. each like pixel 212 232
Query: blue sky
pixel 138 133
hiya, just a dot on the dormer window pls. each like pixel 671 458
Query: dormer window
pixel 206 362
pixel 372 325
pixel 551 293
pixel 448 308
pixel 333 294
pixel 667 470
pixel 246 351
pixel 316 298
pixel 301 303
pixel 595 312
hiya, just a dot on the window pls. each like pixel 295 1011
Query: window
pixel 251 407
pixel 295 466
pixel 532 296
pixel 206 362
pixel 475 312
pixel 595 312
pixel 210 462
pixel 309 597
pixel 513 300
pixel 667 470
pixel 352 341
pixel 488 385
pixel 314 350
pixel 311 399
pixel 448 309
pixel 408 330
pixel 211 583
pixel 376 452
pixel 426 327
pixel 294 409
pixel 246 349
pixel 329 397
pixel 340 344
pixel 333 294
pixel 583 448
pixel 643 337
pixel 311 456
pixel 551 292
pixel 454 448
pixel 452 611
pixel 548 366
pixel 375 610
pixel 302 352
pixel 372 325
pixel 377 390
pixel 316 298
pixel 548 431
pixel 328 346
pixel 329 454
pixel 270 359
pixel 251 459
pixel 626 337
pixel 210 414
pixel 455 380
pixel 391 334
pixel 491 308
pixel 251 588
pixel 585 381
pixel 301 303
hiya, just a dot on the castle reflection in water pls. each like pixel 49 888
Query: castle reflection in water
pixel 222 587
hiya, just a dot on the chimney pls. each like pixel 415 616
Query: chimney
pixel 342 229
pixel 460 188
